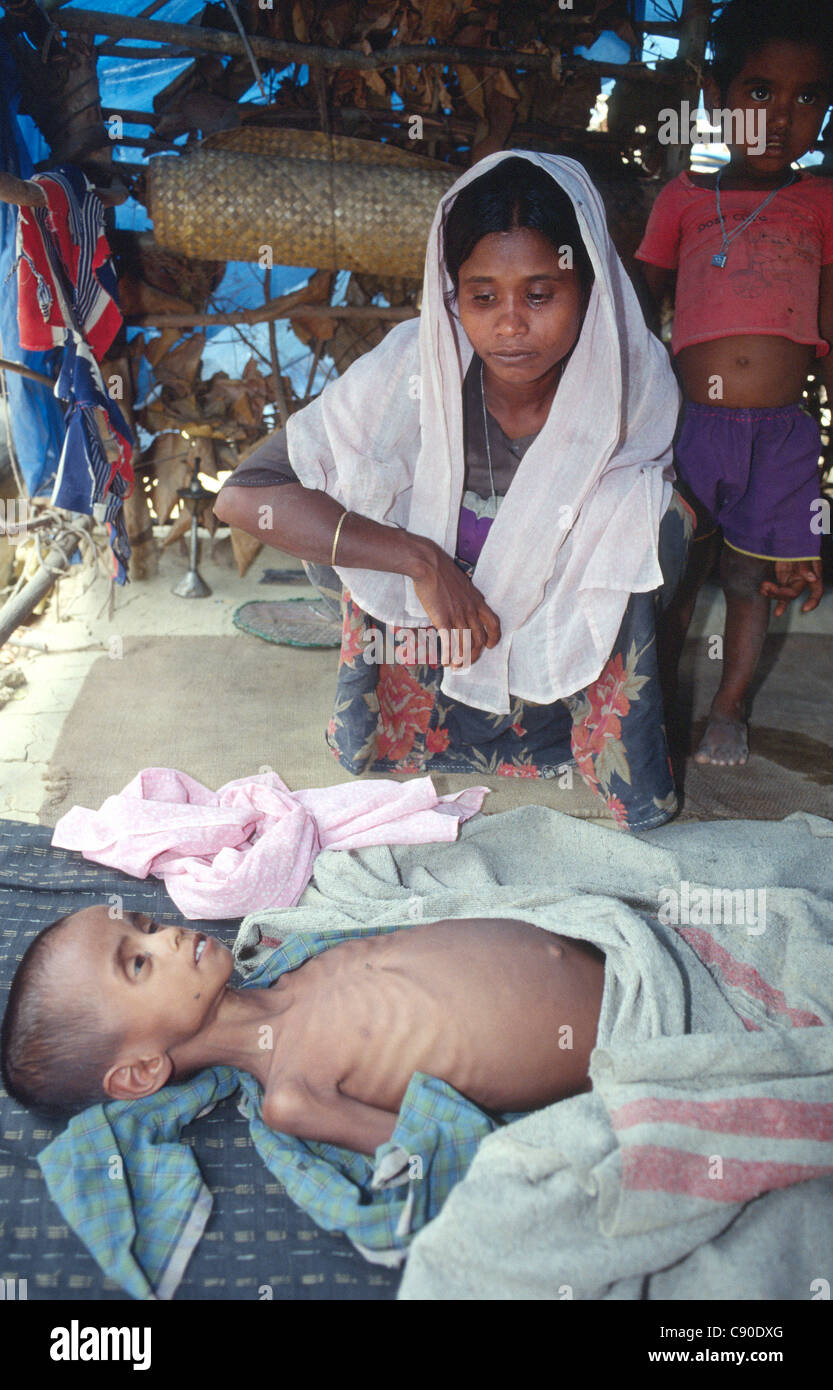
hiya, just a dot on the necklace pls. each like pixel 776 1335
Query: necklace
pixel 486 424
pixel 719 259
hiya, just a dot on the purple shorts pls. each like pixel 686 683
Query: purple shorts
pixel 755 473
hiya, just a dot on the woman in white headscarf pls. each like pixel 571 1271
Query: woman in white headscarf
pixel 499 471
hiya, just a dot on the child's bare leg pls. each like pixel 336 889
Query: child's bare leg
pixel 747 620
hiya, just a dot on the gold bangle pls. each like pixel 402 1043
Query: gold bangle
pixel 342 519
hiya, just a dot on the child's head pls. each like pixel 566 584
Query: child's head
pixel 521 272
pixel 776 57
pixel 103 1008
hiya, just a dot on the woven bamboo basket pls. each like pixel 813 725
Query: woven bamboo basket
pixel 324 201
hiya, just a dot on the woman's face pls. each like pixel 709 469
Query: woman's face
pixel 520 304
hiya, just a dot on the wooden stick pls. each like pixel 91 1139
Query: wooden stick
pixel 19 368
pixel 280 394
pixel 453 127
pixel 279 307
pixel 207 40
pixel 384 312
pixel 691 52
pixel 25 193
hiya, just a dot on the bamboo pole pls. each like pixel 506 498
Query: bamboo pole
pixel 691 53
pixel 21 606
pixel 7 366
pixel 193 38
pixel 392 314
pixel 280 394
pixel 280 307
pixel 450 127
pixel 652 26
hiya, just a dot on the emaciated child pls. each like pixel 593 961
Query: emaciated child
pixel 752 251
pixel 102 1009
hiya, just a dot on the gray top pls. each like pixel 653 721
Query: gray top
pixel 269 466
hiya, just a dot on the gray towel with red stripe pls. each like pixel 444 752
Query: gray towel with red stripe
pixel 701 1164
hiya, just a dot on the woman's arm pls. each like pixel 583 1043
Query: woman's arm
pixel 303 522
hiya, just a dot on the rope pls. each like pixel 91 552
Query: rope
pixel 94 552
pixel 232 8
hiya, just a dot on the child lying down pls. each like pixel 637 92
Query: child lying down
pixel 503 1011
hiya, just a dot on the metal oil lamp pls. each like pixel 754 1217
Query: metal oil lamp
pixel 192 584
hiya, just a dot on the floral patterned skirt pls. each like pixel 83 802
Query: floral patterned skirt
pixel 391 716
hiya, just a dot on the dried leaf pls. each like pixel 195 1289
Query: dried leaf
pixel 504 84
pixel 313 327
pixel 157 347
pixel 472 88
pixel 299 23
pixel 179 369
pixel 137 297
pixel 245 548
pixel 375 82
pixel 206 451
pixel 381 22
pixel 163 497
pixel 180 527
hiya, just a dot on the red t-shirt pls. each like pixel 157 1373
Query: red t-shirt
pixel 770 283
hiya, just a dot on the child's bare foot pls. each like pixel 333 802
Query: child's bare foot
pixel 724 742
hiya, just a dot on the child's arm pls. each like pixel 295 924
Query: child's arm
pixel 658 253
pixel 293 1106
pixel 660 283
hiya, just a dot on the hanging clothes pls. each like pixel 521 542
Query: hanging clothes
pixel 68 297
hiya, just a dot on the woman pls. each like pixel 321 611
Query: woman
pixel 505 467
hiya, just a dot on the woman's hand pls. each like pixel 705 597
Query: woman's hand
pixel 464 621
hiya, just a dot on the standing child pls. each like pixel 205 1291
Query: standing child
pixel 752 252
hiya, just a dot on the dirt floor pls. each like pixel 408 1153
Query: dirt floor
pixel 159 699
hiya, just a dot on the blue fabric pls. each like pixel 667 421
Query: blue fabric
pixel 86 481
pixel 135 1196
pixel 35 416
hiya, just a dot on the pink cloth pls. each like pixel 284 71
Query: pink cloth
pixel 770 283
pixel 252 844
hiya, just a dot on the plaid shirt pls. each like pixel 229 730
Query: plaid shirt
pixel 135 1196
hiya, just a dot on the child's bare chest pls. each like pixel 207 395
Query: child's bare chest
pixel 478 1003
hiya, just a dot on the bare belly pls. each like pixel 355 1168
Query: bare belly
pixel 753 370
pixel 505 1012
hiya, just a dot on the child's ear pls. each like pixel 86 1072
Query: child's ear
pixel 138 1079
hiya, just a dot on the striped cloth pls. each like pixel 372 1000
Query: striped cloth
pixel 133 1193
pixel 707 1139
pixel 68 297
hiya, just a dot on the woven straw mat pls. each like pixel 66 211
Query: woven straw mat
pixel 329 202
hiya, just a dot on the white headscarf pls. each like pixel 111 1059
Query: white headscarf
pixel 386 439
